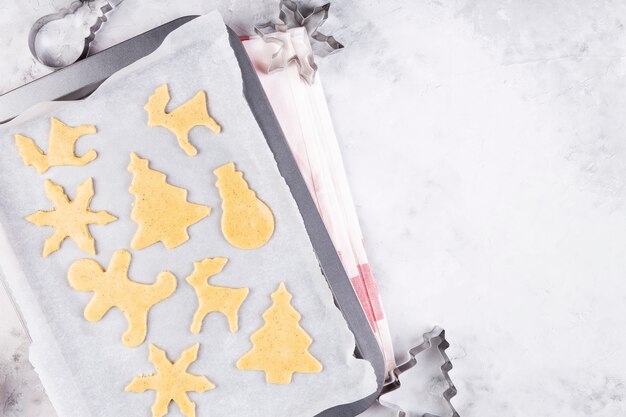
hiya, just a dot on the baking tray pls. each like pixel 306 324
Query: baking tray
pixel 82 78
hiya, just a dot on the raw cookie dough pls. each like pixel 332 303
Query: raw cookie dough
pixel 213 298
pixel 171 382
pixel 181 120
pixel 280 346
pixel 160 210
pixel 247 222
pixel 61 141
pixel 70 218
pixel 113 288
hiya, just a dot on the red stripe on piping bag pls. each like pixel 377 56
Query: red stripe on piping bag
pixel 372 291
pixel 361 293
pixel 360 288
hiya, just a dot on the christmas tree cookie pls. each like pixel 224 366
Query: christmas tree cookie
pixel 213 298
pixel 160 210
pixel 171 382
pixel 70 218
pixel 247 222
pixel 181 120
pixel 280 346
pixel 61 142
pixel 113 288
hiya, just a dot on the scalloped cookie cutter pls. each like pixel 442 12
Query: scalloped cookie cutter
pixel 46 60
pixel 435 338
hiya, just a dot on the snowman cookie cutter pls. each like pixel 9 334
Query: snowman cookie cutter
pixel 89 14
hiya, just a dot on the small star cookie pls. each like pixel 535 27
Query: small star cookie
pixel 113 288
pixel 171 382
pixel 70 218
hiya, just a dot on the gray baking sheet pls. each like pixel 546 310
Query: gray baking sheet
pixel 83 365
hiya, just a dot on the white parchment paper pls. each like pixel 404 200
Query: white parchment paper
pixel 84 366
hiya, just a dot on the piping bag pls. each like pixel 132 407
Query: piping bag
pixel 282 54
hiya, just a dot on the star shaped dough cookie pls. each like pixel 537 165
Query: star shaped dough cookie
pixel 171 382
pixel 70 218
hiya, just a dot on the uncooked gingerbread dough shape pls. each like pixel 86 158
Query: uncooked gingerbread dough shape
pixel 113 288
pixel 61 142
pixel 247 222
pixel 160 209
pixel 70 218
pixel 280 346
pixel 171 381
pixel 212 298
pixel 181 120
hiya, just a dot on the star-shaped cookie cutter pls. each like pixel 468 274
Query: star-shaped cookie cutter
pixel 435 338
pixel 298 37
pixel 101 17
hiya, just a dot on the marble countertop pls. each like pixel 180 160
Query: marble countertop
pixel 489 176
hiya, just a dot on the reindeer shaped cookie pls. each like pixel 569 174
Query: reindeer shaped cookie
pixel 181 120
pixel 213 298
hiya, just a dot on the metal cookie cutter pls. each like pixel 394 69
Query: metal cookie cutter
pixel 93 15
pixel 298 37
pixel 435 338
